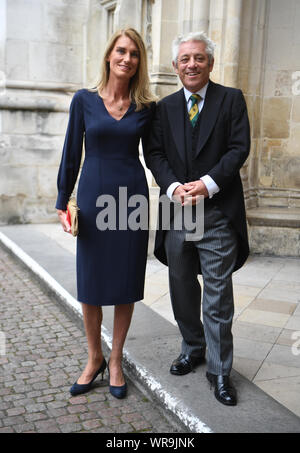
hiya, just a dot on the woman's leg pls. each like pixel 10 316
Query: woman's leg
pixel 92 317
pixel 122 319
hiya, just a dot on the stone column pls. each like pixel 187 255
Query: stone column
pixel 96 38
pixel 224 29
pixel 193 15
pixel 232 42
pixel 164 30
pixel 250 80
pixel 128 14
pixel 200 20
pixel 215 32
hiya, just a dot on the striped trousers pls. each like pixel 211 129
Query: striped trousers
pixel 217 252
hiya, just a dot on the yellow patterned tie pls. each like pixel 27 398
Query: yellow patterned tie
pixel 194 111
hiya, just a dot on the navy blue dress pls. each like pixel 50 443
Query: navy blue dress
pixel 110 263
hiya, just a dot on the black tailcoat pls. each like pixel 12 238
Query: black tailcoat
pixel 222 148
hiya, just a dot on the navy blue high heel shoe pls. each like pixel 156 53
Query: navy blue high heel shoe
pixel 118 391
pixel 77 389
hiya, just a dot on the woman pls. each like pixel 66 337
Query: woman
pixel 110 264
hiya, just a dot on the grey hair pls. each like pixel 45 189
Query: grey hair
pixel 197 36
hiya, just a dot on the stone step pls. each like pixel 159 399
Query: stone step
pixel 275 217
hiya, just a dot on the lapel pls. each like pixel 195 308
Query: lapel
pixel 175 112
pixel 213 100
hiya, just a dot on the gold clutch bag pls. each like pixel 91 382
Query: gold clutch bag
pixel 72 216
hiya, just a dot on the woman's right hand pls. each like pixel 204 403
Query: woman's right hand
pixel 62 215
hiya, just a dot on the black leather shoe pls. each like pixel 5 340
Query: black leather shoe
pixel 224 391
pixel 118 391
pixel 184 364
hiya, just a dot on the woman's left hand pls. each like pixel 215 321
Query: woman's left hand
pixel 62 215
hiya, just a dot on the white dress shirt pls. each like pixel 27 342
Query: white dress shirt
pixel 210 184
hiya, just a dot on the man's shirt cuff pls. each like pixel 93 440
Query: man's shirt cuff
pixel 211 186
pixel 171 189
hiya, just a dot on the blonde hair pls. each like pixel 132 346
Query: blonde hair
pixel 140 92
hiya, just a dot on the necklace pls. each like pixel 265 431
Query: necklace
pixel 112 104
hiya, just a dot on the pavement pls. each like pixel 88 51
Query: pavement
pixel 44 351
pixel 266 328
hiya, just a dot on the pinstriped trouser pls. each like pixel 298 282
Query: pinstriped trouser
pixel 217 252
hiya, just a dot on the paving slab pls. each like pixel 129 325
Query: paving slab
pixel 284 355
pixel 270 371
pixel 247 367
pixel 276 388
pixel 261 333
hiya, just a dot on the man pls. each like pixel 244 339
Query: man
pixel 196 148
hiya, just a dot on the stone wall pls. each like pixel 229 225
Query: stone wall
pixel 41 62
pixel 50 48
pixel 279 147
pixel 268 74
